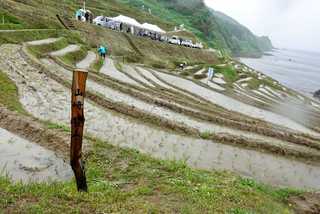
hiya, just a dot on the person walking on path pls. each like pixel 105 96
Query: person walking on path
pixel 102 51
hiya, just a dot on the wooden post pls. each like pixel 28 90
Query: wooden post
pixel 77 124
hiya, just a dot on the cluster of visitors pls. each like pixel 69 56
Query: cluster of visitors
pixel 129 25
pixel 84 15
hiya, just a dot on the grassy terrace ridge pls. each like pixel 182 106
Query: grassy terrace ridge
pixel 156 54
pixel 73 57
pixel 9 94
pixel 20 36
pixel 123 180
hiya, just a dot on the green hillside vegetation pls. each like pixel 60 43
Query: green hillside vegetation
pixel 216 29
pixel 45 17
pixel 132 48
pixel 9 94
pixel 8 21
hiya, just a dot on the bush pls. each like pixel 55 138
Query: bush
pixel 199 76
pixel 133 58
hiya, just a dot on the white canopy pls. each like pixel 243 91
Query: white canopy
pixel 152 27
pixel 127 20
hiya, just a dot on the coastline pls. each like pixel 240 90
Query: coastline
pixel 286 66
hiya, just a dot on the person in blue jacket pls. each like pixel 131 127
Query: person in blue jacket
pixel 79 15
pixel 102 50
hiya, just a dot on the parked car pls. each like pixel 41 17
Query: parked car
pixel 175 40
pixel 164 38
pixel 101 21
pixel 187 43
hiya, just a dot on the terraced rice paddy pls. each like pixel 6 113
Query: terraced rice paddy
pixel 172 118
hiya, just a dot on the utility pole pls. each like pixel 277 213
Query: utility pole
pixel 77 124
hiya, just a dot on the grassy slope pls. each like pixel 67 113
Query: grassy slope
pixel 74 57
pixel 154 53
pixel 9 94
pixel 7 21
pixel 218 30
pixel 126 181
pixel 45 17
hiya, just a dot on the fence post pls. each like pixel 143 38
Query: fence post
pixel 77 124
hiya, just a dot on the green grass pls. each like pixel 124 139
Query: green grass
pixel 55 126
pixel 9 22
pixel 125 181
pixel 24 36
pixel 74 57
pixel 97 65
pixel 9 94
pixel 254 83
pixel 229 73
pixel 30 35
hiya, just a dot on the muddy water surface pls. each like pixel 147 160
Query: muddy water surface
pixel 26 161
pixel 234 105
pixel 202 126
pixel 109 69
pixel 125 132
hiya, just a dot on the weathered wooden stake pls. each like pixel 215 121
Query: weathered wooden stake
pixel 77 124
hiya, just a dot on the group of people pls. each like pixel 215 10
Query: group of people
pixel 84 15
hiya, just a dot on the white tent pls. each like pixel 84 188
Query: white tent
pixel 127 20
pixel 151 27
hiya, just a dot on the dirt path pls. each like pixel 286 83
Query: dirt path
pixel 66 50
pixel 87 61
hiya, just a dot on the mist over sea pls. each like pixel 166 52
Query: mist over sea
pixel 299 70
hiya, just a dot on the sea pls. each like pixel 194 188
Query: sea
pixel 296 69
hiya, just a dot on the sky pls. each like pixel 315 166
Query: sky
pixel 293 24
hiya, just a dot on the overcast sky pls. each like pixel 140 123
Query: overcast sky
pixel 289 23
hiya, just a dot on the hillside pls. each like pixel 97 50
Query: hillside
pixel 158 138
pixel 215 28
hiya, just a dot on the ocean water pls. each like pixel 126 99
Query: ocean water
pixel 298 70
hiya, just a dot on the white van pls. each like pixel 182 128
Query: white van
pixel 101 21
pixel 187 43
